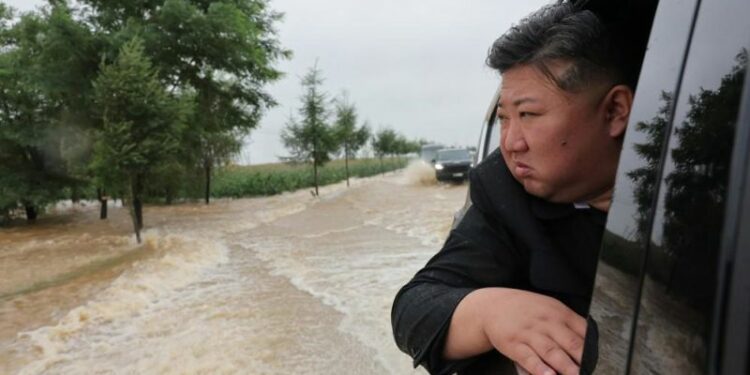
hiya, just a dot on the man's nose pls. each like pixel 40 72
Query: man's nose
pixel 513 138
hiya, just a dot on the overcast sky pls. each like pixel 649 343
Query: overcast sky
pixel 415 66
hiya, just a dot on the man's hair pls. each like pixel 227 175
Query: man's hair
pixel 563 33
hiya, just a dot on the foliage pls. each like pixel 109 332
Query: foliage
pixel 384 142
pixel 141 124
pixel 31 167
pixel 311 140
pixel 211 60
pixel 348 136
pixel 268 179
pixel 388 142
pixel 219 52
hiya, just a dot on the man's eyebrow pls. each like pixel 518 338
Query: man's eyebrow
pixel 518 101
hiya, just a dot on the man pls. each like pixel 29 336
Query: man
pixel 513 280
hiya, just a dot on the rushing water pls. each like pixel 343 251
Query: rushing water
pixel 278 285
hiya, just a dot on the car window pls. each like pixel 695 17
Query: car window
pixel 674 321
pixel 453 155
pixel 626 236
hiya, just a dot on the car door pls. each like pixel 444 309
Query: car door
pixel 669 257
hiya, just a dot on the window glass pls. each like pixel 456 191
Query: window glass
pixel 628 224
pixel 678 290
pixel 458 154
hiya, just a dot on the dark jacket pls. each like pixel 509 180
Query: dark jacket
pixel 507 238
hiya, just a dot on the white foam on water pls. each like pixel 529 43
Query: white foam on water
pixel 68 205
pixel 156 281
pixel 290 203
pixel 358 267
pixel 429 231
pixel 188 309
pixel 65 206
pixel 358 283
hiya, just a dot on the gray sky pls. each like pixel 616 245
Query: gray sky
pixel 414 66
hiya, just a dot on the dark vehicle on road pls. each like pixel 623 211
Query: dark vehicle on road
pixel 453 164
pixel 672 289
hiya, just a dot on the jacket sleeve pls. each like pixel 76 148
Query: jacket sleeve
pixel 478 253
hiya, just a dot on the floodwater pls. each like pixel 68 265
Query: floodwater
pixel 276 285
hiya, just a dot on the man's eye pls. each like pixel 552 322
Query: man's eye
pixel 526 114
pixel 501 119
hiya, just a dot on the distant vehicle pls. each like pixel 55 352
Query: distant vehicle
pixel 429 152
pixel 453 164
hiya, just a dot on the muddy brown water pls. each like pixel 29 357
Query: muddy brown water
pixel 276 285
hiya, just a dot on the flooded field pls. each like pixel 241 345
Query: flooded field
pixel 278 285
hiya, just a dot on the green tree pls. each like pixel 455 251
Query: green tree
pixel 141 125
pixel 349 137
pixel 384 143
pixel 65 63
pixel 222 51
pixel 32 170
pixel 311 140
pixel 403 146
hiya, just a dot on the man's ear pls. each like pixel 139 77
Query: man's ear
pixel 617 107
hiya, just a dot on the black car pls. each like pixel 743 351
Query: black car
pixel 453 164
pixel 672 290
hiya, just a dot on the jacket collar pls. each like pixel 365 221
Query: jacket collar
pixel 545 210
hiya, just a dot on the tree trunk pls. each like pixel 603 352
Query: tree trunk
pixel 136 206
pixel 346 165
pixel 75 194
pixel 207 168
pixel 103 202
pixel 315 177
pixel 382 170
pixel 315 162
pixel 31 212
pixel 168 196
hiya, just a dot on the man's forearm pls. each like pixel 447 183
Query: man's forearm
pixel 466 336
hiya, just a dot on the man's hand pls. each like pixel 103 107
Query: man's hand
pixel 539 333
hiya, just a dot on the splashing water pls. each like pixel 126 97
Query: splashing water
pixel 276 285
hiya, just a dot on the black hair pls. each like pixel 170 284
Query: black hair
pixel 564 33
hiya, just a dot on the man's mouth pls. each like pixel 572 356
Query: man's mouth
pixel 522 170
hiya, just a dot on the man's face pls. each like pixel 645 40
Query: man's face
pixel 558 144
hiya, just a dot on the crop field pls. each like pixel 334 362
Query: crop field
pixel 269 179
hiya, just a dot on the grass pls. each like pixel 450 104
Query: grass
pixel 269 179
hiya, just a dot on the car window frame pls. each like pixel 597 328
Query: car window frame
pixel 731 329
pixel 485 135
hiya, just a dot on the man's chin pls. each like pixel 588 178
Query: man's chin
pixel 534 188
pixel 542 191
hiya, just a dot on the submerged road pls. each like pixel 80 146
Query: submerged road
pixel 277 285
